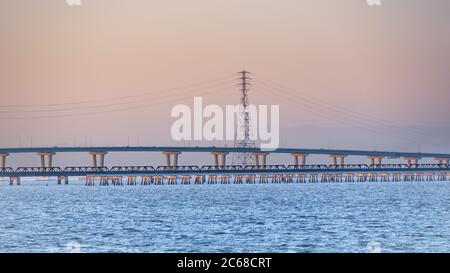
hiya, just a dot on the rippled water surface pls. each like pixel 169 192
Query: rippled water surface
pixel 345 217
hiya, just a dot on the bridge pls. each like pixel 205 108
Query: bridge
pixel 299 171
pixel 172 154
pixel 238 174
pixel 298 167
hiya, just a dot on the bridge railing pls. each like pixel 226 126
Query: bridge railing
pixel 388 166
pixel 433 166
pixel 177 168
pixel 6 170
pixel 85 169
pixel 307 167
pixel 38 170
pixel 132 169
pixel 348 167
pixel 222 168
pixel 406 166
pixel 266 167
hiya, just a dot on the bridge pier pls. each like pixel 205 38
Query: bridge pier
pixel 63 178
pixel 264 158
pixel 168 158
pixel 250 178
pixel 442 176
pixel 375 159
pixel 276 178
pixel 116 180
pixel 223 156
pixel 384 177
pixel 348 177
pixel 104 180
pixel 49 156
pixel 410 160
pixel 90 180
pixel 199 179
pixel 300 178
pixel 171 180
pixel 3 160
pixel 159 180
pixel 145 180
pixel 14 178
pixel 131 180
pixel 335 159
pixel 262 178
pixel 212 179
pixel 302 161
pixel 237 179
pixel 224 179
pixel 360 177
pixel 185 179
pixel 101 162
pixel 288 178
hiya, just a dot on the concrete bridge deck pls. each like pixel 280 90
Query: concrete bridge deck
pixel 220 149
pixel 172 154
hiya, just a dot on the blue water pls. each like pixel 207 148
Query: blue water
pixel 346 217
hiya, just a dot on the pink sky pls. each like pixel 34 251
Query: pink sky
pixel 389 62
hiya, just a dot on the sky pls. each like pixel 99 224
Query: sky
pixel 108 72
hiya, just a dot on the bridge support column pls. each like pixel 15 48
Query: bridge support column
pixel 223 156
pixel 302 161
pixel 63 178
pixel 3 160
pixel 50 160
pixel 264 158
pixel 98 163
pixel 375 159
pixel 335 159
pixel 49 156
pixel 412 160
pixel 42 160
pixel 168 158
pixel 175 159
pixel 14 178
pixel 256 159
pixel 216 159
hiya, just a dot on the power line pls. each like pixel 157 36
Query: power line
pixel 356 116
pixel 115 98
pixel 321 113
pixel 214 91
pixel 172 92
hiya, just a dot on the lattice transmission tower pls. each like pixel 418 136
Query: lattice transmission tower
pixel 243 126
